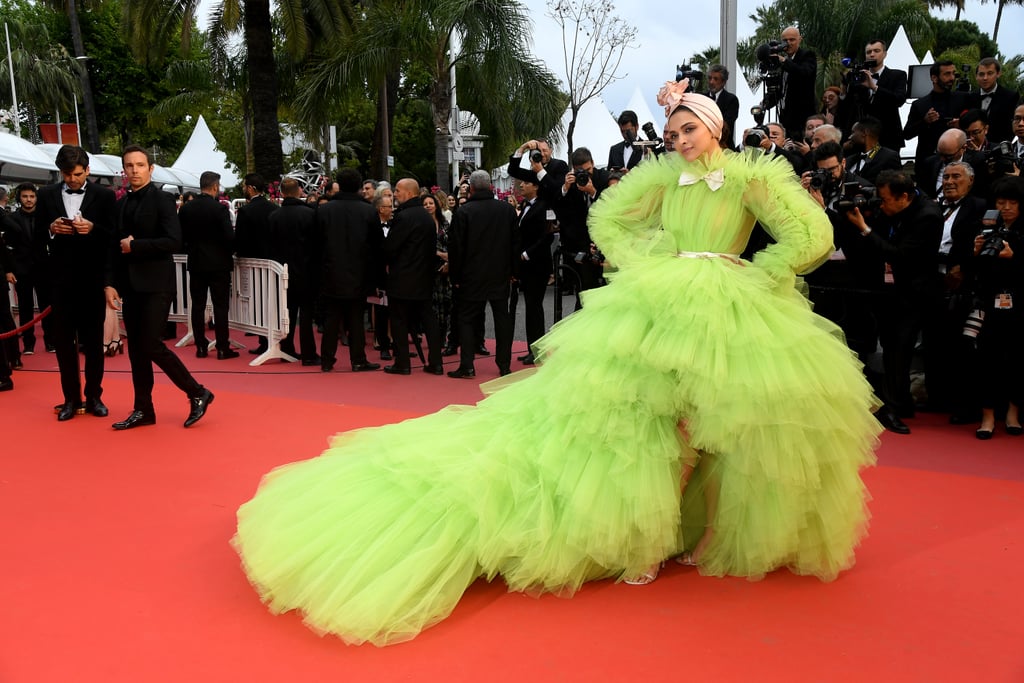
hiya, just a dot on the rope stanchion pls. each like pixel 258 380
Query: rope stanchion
pixel 18 330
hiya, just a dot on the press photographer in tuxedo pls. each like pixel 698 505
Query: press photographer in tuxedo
pixel 533 162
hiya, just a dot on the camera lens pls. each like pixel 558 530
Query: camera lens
pixel 536 156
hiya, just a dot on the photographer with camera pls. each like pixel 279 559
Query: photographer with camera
pixel 997 102
pixel 772 139
pixel 540 168
pixel 935 113
pixel 842 288
pixel 799 70
pixel 582 187
pixel 873 89
pixel 623 156
pixel 905 233
pixel 999 290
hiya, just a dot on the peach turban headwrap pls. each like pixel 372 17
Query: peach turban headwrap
pixel 673 95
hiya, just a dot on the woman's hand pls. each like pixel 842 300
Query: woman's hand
pixel 978 242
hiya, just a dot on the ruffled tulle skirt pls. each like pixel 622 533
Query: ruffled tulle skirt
pixel 572 472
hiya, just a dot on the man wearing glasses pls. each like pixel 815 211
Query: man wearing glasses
pixel 952 147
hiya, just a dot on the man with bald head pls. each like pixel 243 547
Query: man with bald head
pixel 799 70
pixel 952 146
pixel 410 251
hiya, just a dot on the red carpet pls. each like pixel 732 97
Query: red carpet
pixel 115 563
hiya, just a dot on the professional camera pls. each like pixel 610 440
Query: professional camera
pixel 772 47
pixel 995 240
pixel 536 157
pixel 856 71
pixel 695 76
pixel 653 141
pixel 759 132
pixel 974 322
pixel 820 179
pixel 771 71
pixel 582 177
pixel 857 196
pixel 594 256
pixel 1000 159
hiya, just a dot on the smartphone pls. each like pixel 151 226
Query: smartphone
pixel 67 221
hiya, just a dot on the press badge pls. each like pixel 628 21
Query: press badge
pixel 1004 301
pixel 888 274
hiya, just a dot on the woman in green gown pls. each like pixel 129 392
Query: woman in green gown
pixel 694 404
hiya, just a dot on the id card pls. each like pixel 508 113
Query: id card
pixel 888 274
pixel 1004 301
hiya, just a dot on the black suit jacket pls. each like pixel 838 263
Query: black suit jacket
pixel 536 240
pixel 909 242
pixel 927 176
pixel 293 241
pixel 617 154
pixel 76 260
pixel 207 234
pixel 573 209
pixel 884 159
pixel 949 105
pixel 483 247
pixel 550 185
pixel 884 106
pixel 966 226
pixel 729 104
pixel 800 72
pixel 19 230
pixel 252 231
pixel 1000 112
pixel 149 215
pixel 348 242
pixel 410 251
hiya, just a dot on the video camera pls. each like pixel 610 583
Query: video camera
pixel 771 70
pixel 695 76
pixel 856 71
pixel 857 196
pixel 1000 159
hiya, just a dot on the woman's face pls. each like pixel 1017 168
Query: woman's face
pixel 831 99
pixel 1009 209
pixel 429 205
pixel 688 134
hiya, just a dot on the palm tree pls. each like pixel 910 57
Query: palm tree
pixel 999 15
pixel 490 64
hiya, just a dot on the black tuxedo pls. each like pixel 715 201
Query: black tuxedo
pixel 572 210
pixel 8 348
pixel 208 239
pixel 410 252
pixel 729 104
pixel 29 251
pixel 483 249
pixel 145 280
pixel 1000 112
pixel 535 264
pixel 617 155
pixel 348 241
pixel 550 185
pixel 949 105
pixel 884 105
pixel 799 73
pixel 74 269
pixel 927 177
pixel 252 230
pixel 882 160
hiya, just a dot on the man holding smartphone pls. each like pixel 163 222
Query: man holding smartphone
pixel 76 217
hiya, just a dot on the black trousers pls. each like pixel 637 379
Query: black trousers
pixel 6 325
pixel 300 317
pixel 949 358
pixel 533 288
pixel 218 284
pixel 78 316
pixel 899 324
pixel 407 313
pixel 350 313
pixel 381 318
pixel 27 284
pixel 145 314
pixel 471 315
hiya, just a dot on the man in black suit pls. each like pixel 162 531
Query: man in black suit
pixel 536 236
pixel 348 239
pixel 76 218
pixel 410 252
pixel 6 320
pixel 623 156
pixel 946 354
pixel 548 173
pixel 935 113
pixel 208 236
pixel 140 277
pixel 951 147
pixel 905 234
pixel 252 229
pixel 483 248
pixel 582 187
pixel 28 247
pixel 996 101
pixel 292 240
pixel 880 92
pixel 729 104
pixel 867 157
pixel 799 72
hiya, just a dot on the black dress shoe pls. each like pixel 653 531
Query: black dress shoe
pixel 463 373
pixel 504 371
pixel 888 418
pixel 309 362
pixel 395 370
pixel 983 434
pixel 202 350
pixel 326 367
pixel 199 404
pixel 68 410
pixel 94 406
pixel 482 351
pixel 136 419
pixel 225 354
pixel 524 357
pixel 258 350
pixel 365 366
pixel 6 384
pixel 385 355
pixel 528 359
pixel 439 370
pixel 450 351
pixel 1014 430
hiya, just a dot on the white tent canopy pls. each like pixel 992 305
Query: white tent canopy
pixel 201 154
pixel 21 160
pixel 596 130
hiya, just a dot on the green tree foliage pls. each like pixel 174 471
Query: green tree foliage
pixel 950 35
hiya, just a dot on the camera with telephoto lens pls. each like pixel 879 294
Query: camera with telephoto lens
pixel 536 157
pixel 770 69
pixel 582 177
pixel 653 141
pixel 995 240
pixel 1001 159
pixel 820 178
pixel 856 71
pixel 857 196
pixel 972 326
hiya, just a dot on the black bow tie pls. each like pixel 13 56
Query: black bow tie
pixel 68 190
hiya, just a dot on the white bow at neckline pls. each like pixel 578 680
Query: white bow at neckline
pixel 715 179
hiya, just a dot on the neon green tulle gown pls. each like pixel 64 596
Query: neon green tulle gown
pixel 572 473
